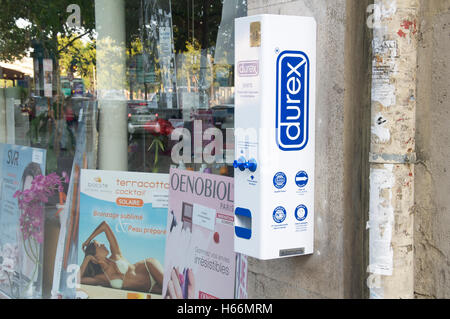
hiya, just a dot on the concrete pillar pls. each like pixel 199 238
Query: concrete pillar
pixel 432 171
pixel 392 152
pixel 111 84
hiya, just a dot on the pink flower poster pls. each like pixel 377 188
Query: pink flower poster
pixel 200 262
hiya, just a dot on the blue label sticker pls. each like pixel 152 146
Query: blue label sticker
pixel 279 180
pixel 292 104
pixel 279 214
pixel 301 212
pixel 301 179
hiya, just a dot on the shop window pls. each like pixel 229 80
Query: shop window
pixel 150 82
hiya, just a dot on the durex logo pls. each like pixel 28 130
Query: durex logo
pixel 248 68
pixel 292 105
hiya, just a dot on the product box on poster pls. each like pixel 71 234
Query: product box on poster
pixel 122 228
pixel 200 262
pixel 275 58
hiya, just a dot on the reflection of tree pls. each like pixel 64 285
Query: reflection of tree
pixel 189 67
pixel 202 19
pixel 39 26
pixel 81 54
pixel 204 16
pixel 204 34
pixel 110 55
pixel 43 23
pixel 225 39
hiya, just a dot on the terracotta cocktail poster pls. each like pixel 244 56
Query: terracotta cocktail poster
pixel 122 234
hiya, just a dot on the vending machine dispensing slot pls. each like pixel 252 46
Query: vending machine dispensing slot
pixel 275 61
pixel 243 223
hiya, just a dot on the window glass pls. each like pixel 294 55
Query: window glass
pixel 150 65
pixel 140 85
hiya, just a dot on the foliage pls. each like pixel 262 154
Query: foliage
pixel 43 22
pixel 81 54
pixel 205 20
pixel 41 25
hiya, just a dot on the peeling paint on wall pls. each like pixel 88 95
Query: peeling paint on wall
pixel 383 93
pixel 385 55
pixel 379 129
pixel 375 286
pixel 389 8
pixel 407 27
pixel 381 220
pixel 384 66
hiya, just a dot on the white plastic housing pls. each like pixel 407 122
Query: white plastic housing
pixel 275 73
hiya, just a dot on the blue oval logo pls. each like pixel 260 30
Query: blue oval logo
pixel 292 104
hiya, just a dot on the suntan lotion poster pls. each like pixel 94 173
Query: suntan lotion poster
pixel 122 234
pixel 200 262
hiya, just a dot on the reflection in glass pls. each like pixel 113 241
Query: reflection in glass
pixel 152 66
pixel 119 78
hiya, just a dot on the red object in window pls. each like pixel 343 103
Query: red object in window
pixel 159 127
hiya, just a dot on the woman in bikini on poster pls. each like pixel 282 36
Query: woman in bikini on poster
pixel 114 270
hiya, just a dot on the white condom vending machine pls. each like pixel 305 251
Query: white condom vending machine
pixel 275 74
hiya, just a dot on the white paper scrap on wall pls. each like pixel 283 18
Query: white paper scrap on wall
pixel 379 129
pixel 383 93
pixel 381 221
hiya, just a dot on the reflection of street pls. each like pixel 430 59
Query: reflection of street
pixel 140 159
pixel 48 77
pixel 149 143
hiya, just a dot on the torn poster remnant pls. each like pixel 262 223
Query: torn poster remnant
pixel 379 130
pixel 381 220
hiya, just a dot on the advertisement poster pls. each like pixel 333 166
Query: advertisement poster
pixel 48 77
pixel 122 234
pixel 36 76
pixel 200 262
pixel 20 274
